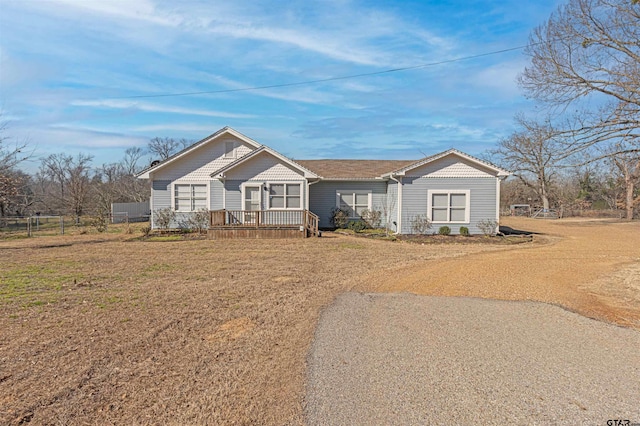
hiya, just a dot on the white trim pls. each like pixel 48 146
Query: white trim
pixel 146 174
pixel 448 192
pixel 243 187
pixel 151 209
pixel 285 183
pixel 224 194
pixel 402 172
pixel 189 182
pixel 497 200
pixel 221 172
pixel 399 211
pixel 369 192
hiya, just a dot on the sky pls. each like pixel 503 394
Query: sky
pixel 99 76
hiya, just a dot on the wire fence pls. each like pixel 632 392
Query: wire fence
pixel 41 225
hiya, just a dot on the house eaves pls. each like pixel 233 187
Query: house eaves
pixel 402 171
pixel 145 174
pixel 220 173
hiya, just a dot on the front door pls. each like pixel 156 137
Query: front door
pixel 251 203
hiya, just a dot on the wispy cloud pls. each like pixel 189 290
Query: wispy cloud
pixel 151 107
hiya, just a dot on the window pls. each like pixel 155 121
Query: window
pixel 190 197
pixel 284 196
pixel 230 149
pixel 354 202
pixel 449 206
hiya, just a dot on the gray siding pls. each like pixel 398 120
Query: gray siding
pixel 323 197
pixel 215 196
pixel 482 200
pixel 161 194
pixel 233 190
pixel 233 194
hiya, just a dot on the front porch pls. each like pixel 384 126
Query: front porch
pixel 232 224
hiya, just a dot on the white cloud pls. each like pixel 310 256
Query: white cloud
pixel 140 10
pixel 150 107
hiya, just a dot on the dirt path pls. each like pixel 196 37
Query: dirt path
pixel 585 267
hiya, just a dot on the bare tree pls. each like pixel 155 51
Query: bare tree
pixel 72 178
pixel 11 179
pixel 628 166
pixel 587 56
pixel 534 155
pixel 164 148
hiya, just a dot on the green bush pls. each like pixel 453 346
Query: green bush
pixel 444 230
pixel 357 225
pixel 464 231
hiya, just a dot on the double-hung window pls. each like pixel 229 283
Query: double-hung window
pixel 285 196
pixel 354 202
pixel 190 197
pixel 449 206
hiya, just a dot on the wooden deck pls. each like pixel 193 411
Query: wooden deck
pixel 232 224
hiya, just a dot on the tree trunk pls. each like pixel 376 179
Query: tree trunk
pixel 628 182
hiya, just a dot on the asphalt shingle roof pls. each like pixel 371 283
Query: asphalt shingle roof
pixel 353 169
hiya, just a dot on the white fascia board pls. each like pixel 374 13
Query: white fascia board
pixel 145 174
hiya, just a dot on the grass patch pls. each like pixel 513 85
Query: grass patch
pixel 26 280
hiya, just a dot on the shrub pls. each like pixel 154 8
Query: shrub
pixel 163 217
pixel 488 226
pixel 373 218
pixel 420 224
pixel 444 230
pixel 357 225
pixel 146 230
pixel 339 218
pixel 100 222
pixel 464 231
pixel 198 220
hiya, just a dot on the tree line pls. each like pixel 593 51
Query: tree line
pixel 583 143
pixel 73 184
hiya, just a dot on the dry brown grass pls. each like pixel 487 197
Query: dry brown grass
pixel 97 329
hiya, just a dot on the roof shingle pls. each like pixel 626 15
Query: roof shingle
pixel 353 169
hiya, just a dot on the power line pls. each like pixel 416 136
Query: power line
pixel 323 80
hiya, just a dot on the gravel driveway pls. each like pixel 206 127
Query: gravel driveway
pixel 407 359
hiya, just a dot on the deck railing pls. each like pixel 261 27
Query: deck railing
pixel 264 219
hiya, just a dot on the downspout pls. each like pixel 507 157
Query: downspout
pixel 498 180
pixel 399 213
pixel 224 193
pixel 151 201
pixel 308 193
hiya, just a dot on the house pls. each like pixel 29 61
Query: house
pixel 247 185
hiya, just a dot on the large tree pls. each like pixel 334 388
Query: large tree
pixel 71 178
pixel 586 59
pixel 535 153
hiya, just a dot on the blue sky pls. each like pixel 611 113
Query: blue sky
pixel 73 74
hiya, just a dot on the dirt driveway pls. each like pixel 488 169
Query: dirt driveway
pixel 584 266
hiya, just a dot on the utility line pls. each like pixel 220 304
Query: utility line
pixel 323 80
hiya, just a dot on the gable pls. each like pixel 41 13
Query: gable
pixel 198 164
pixel 451 166
pixel 263 166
